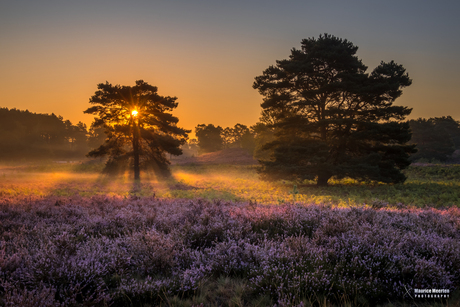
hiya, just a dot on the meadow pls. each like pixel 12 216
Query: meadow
pixel 215 235
pixel 435 186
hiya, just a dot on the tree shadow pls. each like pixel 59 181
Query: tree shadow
pixel 418 194
pixel 181 186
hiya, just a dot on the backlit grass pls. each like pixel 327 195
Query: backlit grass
pixel 433 186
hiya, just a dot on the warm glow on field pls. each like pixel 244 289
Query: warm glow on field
pixel 134 113
pixel 62 180
pixel 227 183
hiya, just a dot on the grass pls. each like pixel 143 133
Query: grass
pixel 432 186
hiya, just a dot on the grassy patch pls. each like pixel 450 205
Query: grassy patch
pixel 434 186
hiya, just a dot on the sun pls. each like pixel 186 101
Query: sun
pixel 134 113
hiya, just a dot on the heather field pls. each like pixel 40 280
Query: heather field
pixel 217 236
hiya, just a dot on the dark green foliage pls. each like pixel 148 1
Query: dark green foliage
pixel 332 118
pixel 142 140
pixel 209 137
pixel 212 138
pixel 240 136
pixel 96 136
pixel 248 142
pixel 451 126
pixel 263 134
pixel 233 136
pixel 27 135
pixel 432 138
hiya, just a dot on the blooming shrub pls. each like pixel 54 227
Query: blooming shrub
pixel 114 251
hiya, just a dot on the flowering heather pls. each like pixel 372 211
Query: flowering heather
pixel 129 252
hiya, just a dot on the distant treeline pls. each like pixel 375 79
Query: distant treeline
pixel 437 138
pixel 212 138
pixel 27 135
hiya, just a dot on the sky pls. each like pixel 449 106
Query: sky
pixel 207 53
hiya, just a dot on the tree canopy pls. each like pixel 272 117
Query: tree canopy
pixel 434 138
pixel 139 126
pixel 212 138
pixel 332 118
pixel 451 126
pixel 27 135
pixel 239 136
pixel 209 137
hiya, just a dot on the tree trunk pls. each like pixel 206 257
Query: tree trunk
pixel 322 180
pixel 136 151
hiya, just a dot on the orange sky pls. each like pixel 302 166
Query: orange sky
pixel 207 53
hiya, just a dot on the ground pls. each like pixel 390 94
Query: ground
pixel 215 235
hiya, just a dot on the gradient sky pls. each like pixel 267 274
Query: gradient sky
pixel 207 53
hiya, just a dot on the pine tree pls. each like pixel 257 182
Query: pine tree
pixel 331 118
pixel 209 137
pixel 139 126
pixel 432 140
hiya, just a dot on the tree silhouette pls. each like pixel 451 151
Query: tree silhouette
pixel 263 134
pixel 451 126
pixel 209 137
pixel 432 138
pixel 236 136
pixel 331 118
pixel 27 135
pixel 138 125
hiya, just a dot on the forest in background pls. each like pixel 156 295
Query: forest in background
pixel 30 136
pixel 25 135
pixel 437 139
